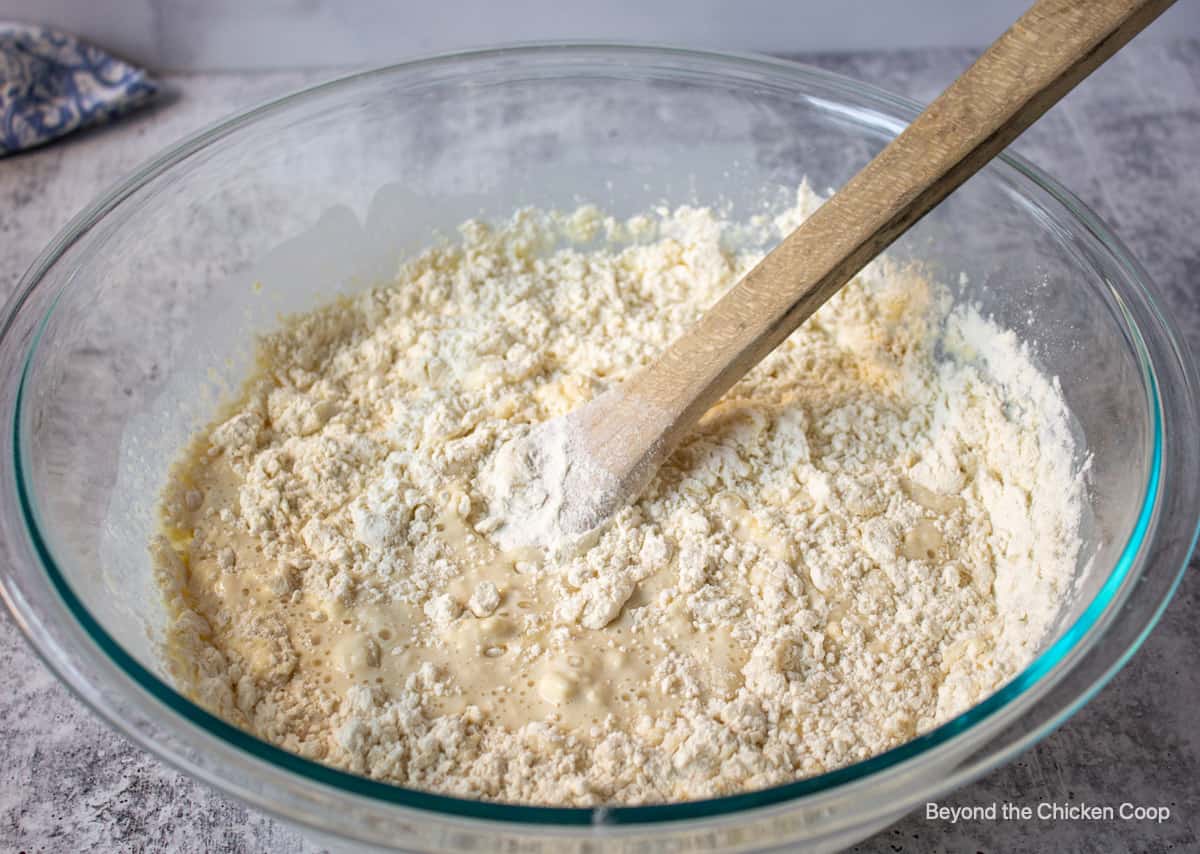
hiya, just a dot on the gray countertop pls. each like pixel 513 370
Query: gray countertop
pixel 1127 142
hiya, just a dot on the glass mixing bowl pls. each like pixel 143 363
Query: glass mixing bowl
pixel 139 316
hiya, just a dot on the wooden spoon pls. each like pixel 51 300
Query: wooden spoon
pixel 583 467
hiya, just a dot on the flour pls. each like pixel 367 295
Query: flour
pixel 856 544
pixel 545 490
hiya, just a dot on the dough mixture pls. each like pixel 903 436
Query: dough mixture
pixel 863 539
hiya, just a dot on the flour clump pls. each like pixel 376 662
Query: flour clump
pixel 544 490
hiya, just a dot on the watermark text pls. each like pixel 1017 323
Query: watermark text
pixel 1047 811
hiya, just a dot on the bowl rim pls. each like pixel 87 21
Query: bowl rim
pixel 1058 658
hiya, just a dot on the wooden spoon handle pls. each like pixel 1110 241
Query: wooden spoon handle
pixel 1047 51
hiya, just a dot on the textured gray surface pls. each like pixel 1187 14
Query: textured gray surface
pixel 1126 142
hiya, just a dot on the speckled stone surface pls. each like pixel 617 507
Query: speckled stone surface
pixel 1127 142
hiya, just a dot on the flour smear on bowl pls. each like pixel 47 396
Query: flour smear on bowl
pixel 870 533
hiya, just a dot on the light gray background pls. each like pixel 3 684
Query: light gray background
pixel 207 35
pixel 1128 142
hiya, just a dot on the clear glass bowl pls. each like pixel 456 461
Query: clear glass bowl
pixel 139 315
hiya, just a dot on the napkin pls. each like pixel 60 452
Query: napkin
pixel 51 84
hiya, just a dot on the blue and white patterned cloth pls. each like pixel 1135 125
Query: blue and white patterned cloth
pixel 51 83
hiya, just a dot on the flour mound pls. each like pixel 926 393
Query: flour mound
pixel 872 531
